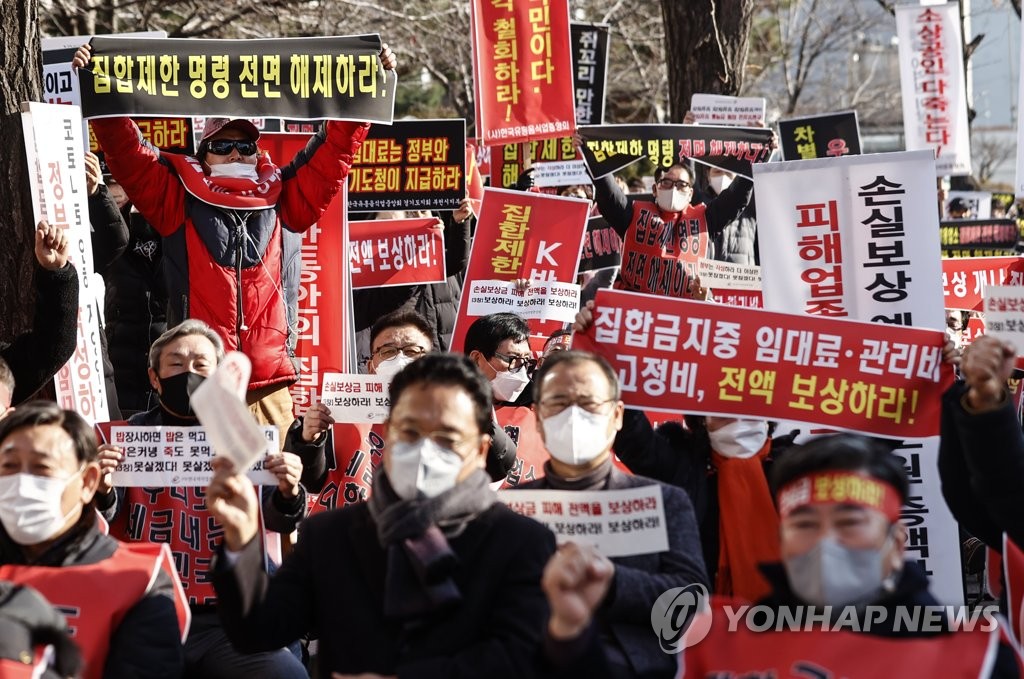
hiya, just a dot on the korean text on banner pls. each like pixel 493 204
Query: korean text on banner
pixel 932 82
pixel 522 68
pixel 965 279
pixel 860 377
pixel 1004 314
pixel 545 301
pixel 389 252
pixel 176 456
pixel 356 399
pixel 54 150
pixel 719 109
pixel 617 522
pixel 305 78
pixel 821 136
pixel 854 237
pixel 521 234
pixel 590 70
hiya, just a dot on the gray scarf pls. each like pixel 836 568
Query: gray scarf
pixel 415 533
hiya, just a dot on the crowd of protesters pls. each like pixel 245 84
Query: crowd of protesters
pixel 433 575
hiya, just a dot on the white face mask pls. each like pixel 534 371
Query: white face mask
pixel 671 200
pixel 30 506
pixel 391 367
pixel 719 183
pixel 234 171
pixel 742 438
pixel 508 386
pixel 833 575
pixel 575 436
pixel 423 468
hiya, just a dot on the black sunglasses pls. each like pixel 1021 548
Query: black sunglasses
pixel 222 147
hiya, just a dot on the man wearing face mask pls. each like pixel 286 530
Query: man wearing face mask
pixel 842 547
pixel 499 345
pixel 579 411
pixel 396 340
pixel 180 360
pixel 49 540
pixel 432 577
pixel 662 240
pixel 232 222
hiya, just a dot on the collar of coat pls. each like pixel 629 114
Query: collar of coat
pixel 228 192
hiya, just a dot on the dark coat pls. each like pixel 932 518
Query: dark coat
pixel 639 580
pixel 148 641
pixel 332 584
pixel 35 356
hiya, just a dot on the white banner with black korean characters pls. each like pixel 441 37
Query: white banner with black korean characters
pixel 853 237
pixel 356 399
pixel 543 300
pixel 176 456
pixel 728 276
pixel 617 522
pixel 932 83
pixel 54 148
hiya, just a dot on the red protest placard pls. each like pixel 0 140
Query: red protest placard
pixel 324 297
pixel 705 358
pixel 522 234
pixel 964 278
pixel 389 252
pixel 522 67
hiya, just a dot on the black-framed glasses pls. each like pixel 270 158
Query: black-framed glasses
pixel 553 406
pixel 388 352
pixel 517 363
pixel 680 184
pixel 222 147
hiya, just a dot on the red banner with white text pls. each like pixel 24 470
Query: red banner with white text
pixel 964 279
pixel 389 252
pixel 705 358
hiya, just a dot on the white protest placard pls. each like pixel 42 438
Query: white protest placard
pixel 980 203
pixel 719 109
pixel 1004 314
pixel 562 173
pixel 728 276
pixel 54 148
pixel 178 456
pixel 543 300
pixel 228 422
pixel 932 84
pixel 356 399
pixel 617 522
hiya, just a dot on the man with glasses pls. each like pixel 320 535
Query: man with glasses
pixel 662 240
pixel 232 221
pixel 499 345
pixel 579 411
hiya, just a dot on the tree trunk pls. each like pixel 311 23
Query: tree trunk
pixel 19 81
pixel 706 44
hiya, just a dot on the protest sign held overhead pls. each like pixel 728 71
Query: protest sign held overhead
pixel 978 237
pixel 720 109
pixel 389 252
pixel 602 247
pixel 609 148
pixel 410 165
pixel 310 78
pixel 820 136
pixel 523 71
pixel 861 377
pixel 508 161
pixel 965 279
pixel 590 70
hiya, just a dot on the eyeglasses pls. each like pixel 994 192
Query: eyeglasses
pixel 517 363
pixel 553 406
pixel 387 353
pixel 222 147
pixel 444 439
pixel 680 184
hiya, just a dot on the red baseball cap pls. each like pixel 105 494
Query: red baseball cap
pixel 214 125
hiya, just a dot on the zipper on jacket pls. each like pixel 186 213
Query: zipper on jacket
pixel 240 236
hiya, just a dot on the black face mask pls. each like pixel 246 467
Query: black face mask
pixel 176 396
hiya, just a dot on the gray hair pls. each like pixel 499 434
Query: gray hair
pixel 186 328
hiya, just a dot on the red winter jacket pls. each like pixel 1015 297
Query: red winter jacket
pixel 231 246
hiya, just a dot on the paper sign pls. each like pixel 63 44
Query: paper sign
pixel 178 456
pixel 719 109
pixel 728 276
pixel 564 173
pixel 1004 314
pixel 547 301
pixel 356 399
pixel 228 422
pixel 618 522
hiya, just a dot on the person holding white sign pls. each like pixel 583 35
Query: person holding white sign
pixel 50 539
pixel 432 577
pixel 180 360
pixel 579 411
